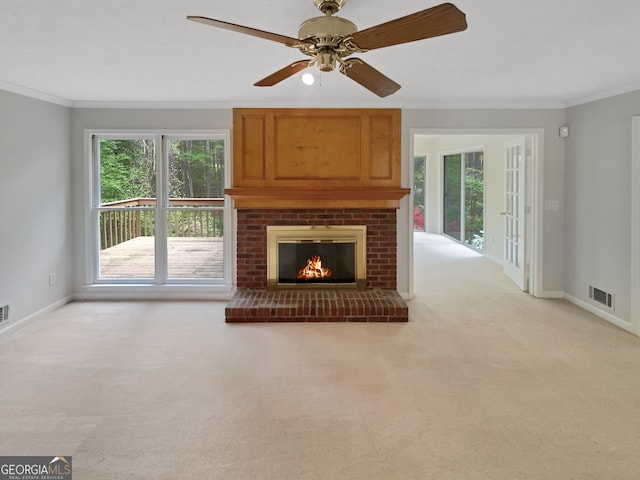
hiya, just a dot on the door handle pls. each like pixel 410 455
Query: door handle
pixel 504 213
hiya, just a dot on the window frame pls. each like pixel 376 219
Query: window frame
pixel 424 158
pixel 463 152
pixel 160 281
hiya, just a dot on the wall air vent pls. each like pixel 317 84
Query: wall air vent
pixel 601 296
pixel 4 313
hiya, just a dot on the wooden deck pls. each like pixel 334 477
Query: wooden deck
pixel 188 257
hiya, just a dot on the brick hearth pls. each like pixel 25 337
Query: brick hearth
pixel 379 302
pixel 316 306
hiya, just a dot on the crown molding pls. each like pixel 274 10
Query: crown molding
pixel 27 92
pixel 303 103
pixel 602 95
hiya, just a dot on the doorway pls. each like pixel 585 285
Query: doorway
pixel 635 227
pixel 446 148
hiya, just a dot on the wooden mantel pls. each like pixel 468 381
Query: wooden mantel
pixel 316 158
pixel 381 197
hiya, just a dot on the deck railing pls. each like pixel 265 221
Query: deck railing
pixel 135 217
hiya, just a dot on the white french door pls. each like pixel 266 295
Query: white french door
pixel 514 213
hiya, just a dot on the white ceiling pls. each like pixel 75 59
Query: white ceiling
pixel 542 53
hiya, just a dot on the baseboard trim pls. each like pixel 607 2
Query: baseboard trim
pixel 493 259
pixel 406 296
pixel 552 295
pixel 618 322
pixel 23 322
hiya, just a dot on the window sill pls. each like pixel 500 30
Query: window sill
pixel 123 291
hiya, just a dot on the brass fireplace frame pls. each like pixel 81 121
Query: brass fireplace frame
pixel 356 234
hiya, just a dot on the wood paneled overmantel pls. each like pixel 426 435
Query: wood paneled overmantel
pixel 316 158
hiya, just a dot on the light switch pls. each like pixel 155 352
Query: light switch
pixel 551 205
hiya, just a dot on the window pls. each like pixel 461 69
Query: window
pixel 419 192
pixel 195 211
pixel 158 209
pixel 463 198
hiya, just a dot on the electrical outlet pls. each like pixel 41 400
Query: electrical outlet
pixel 52 279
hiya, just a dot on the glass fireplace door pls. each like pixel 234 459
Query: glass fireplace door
pixel 308 263
pixel 300 256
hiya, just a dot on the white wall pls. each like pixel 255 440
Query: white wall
pixel 553 153
pixel 104 118
pixel 598 201
pixel 35 194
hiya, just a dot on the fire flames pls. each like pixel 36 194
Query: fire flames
pixel 314 270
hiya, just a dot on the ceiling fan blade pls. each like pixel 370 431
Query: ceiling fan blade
pixel 432 22
pixel 368 77
pixel 283 73
pixel 288 41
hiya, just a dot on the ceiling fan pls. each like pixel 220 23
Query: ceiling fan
pixel 328 40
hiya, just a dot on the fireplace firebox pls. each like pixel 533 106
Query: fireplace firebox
pixel 316 256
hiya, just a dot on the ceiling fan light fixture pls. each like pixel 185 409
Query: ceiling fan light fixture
pixel 308 79
pixel 326 61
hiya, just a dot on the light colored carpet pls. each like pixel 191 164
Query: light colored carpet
pixel 484 382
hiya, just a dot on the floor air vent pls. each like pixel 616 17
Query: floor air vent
pixel 4 313
pixel 601 296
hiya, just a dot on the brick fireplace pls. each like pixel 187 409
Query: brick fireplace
pixel 319 167
pixel 378 301
pixel 252 241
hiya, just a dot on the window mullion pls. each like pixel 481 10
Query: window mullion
pixel 92 269
pixel 162 202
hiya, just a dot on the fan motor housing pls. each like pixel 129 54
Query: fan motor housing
pixel 323 27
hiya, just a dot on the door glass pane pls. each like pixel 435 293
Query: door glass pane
pixel 127 208
pixel 474 200
pixel 452 195
pixel 195 217
pixel 419 194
